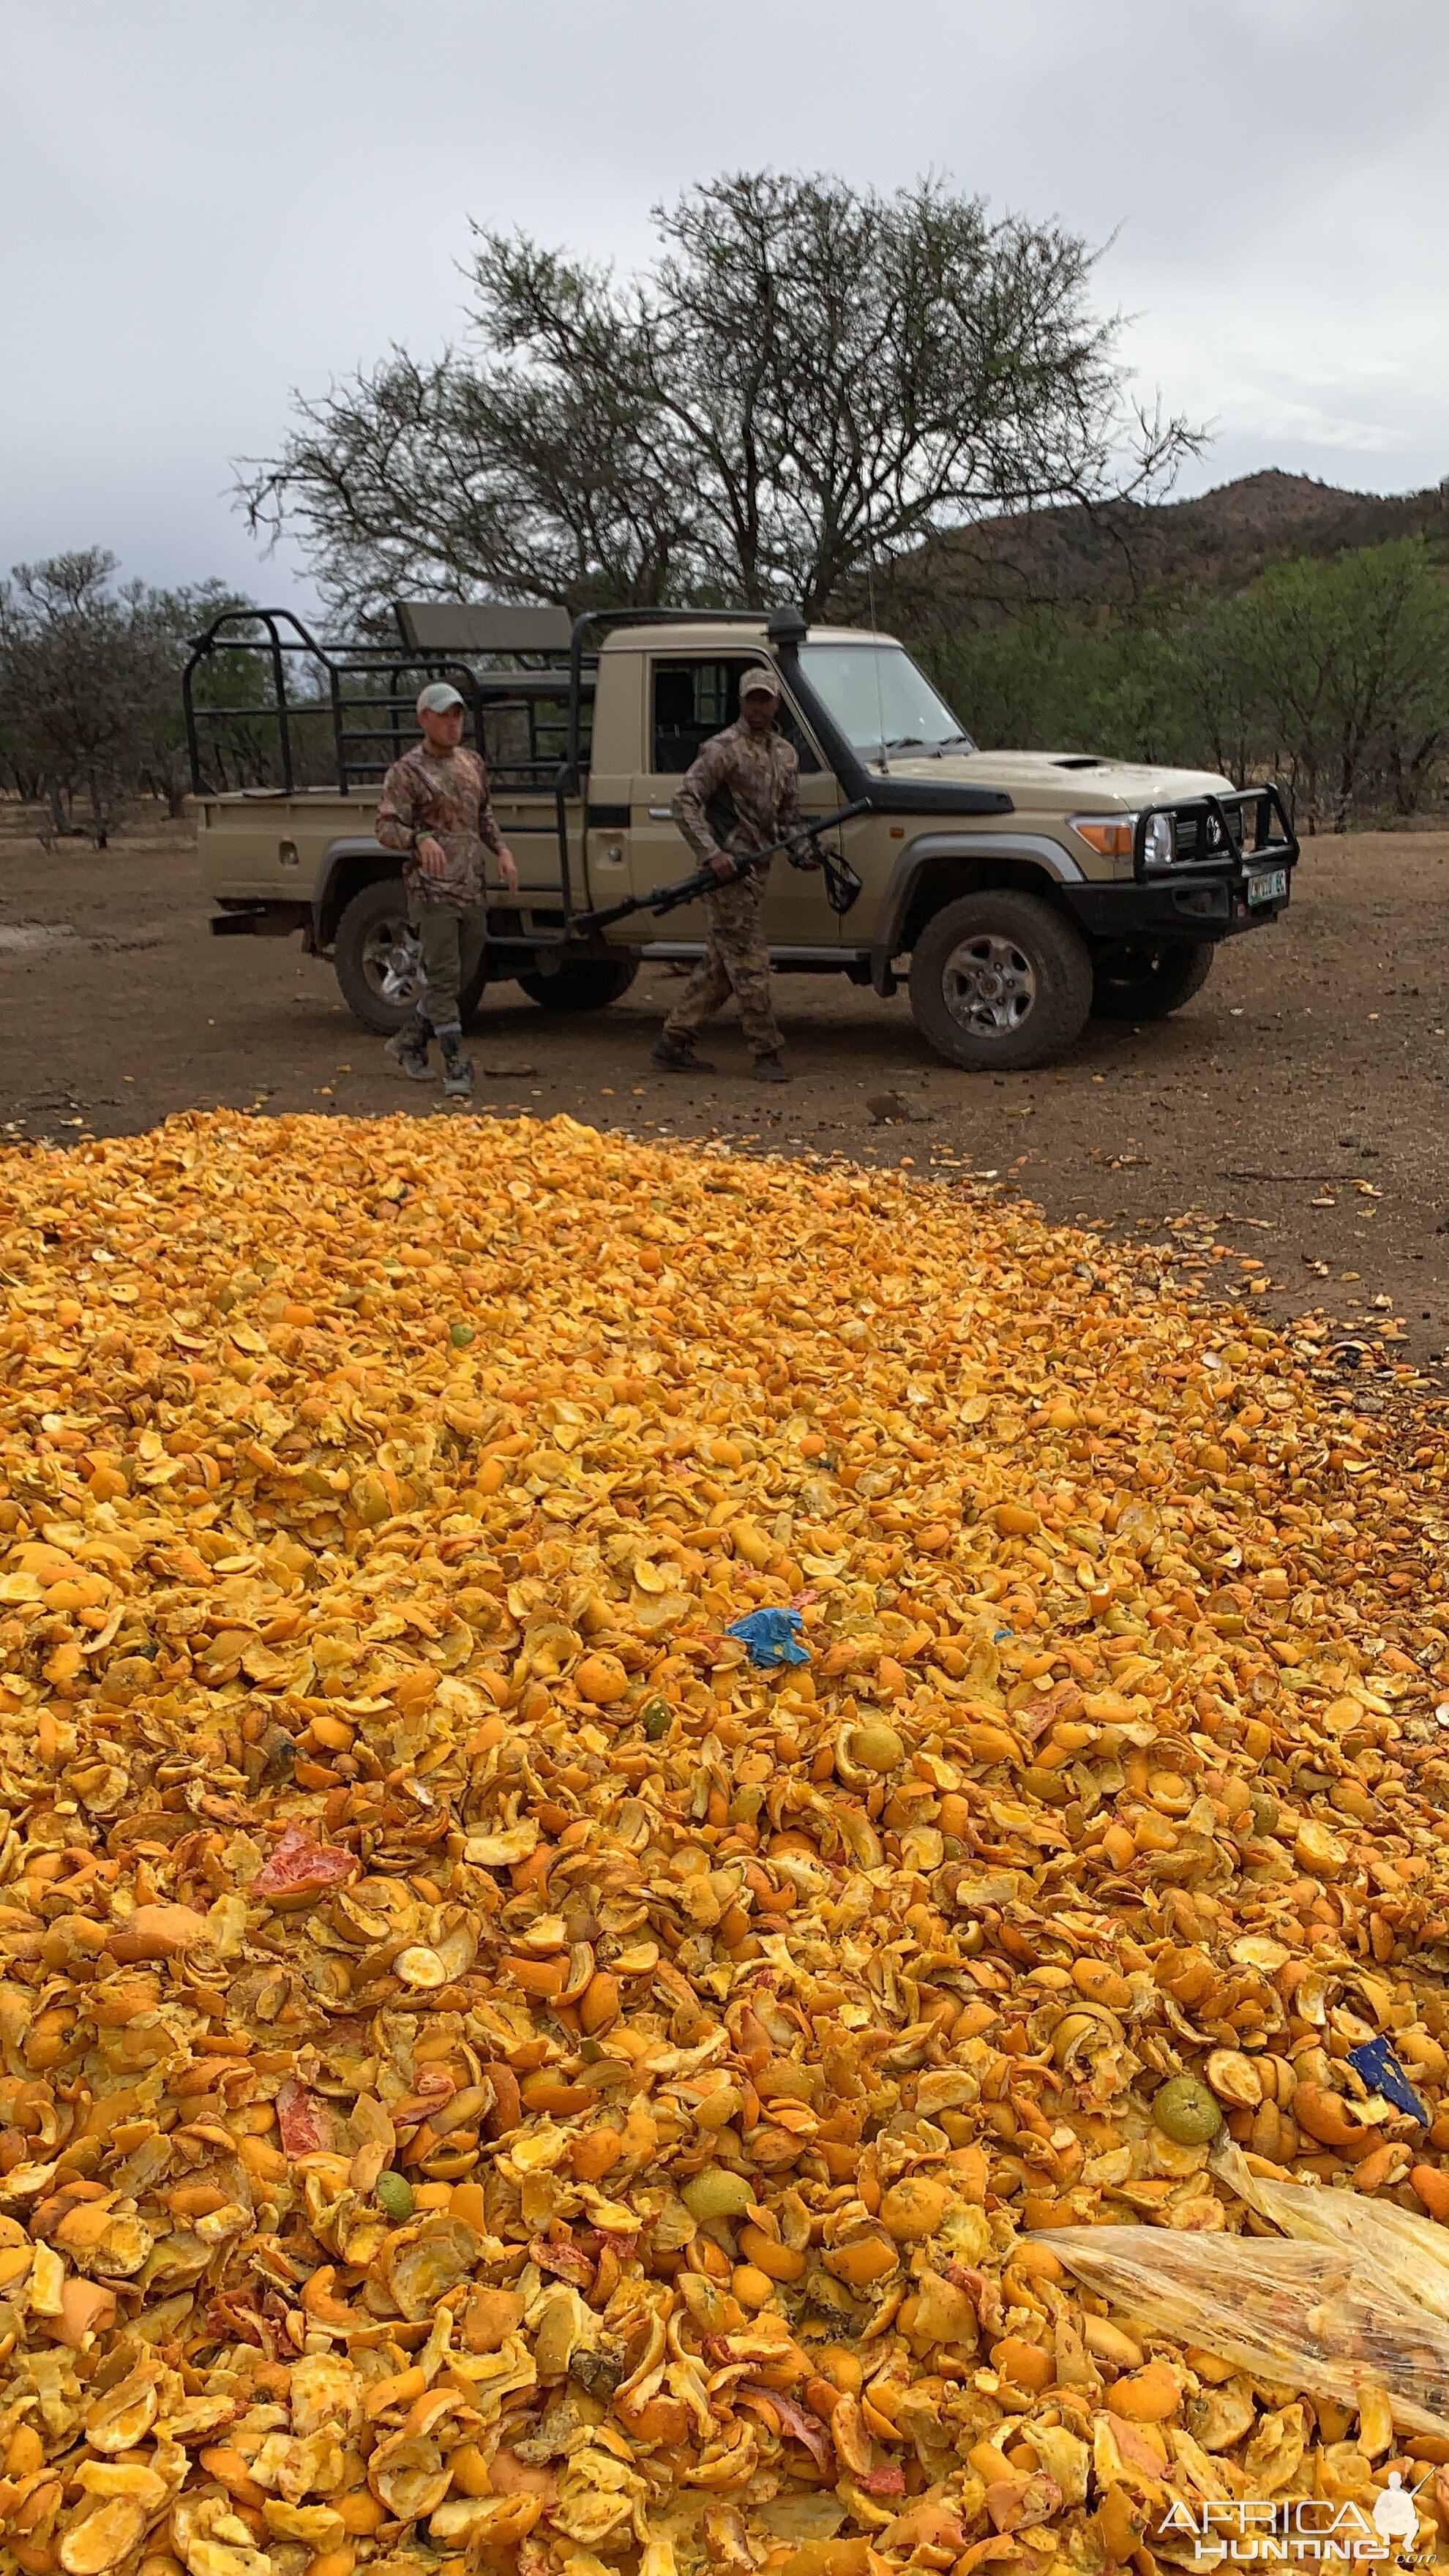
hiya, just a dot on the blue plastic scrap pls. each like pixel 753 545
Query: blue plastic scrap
pixel 772 1636
pixel 1379 2067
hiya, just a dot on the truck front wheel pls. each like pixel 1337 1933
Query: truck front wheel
pixel 1000 981
pixel 590 985
pixel 376 957
pixel 1135 981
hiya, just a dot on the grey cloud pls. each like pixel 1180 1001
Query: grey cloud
pixel 207 206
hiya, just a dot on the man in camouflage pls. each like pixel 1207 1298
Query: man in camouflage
pixel 435 811
pixel 741 794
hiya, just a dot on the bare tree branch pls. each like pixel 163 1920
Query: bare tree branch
pixel 808 374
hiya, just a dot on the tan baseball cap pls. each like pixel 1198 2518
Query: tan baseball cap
pixel 759 682
pixel 437 697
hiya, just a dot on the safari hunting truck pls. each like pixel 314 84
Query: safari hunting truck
pixel 1015 893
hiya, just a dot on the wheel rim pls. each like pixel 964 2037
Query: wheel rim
pixel 989 986
pixel 390 963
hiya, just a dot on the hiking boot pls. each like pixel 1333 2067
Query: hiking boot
pixel 409 1050
pixel 457 1069
pixel 770 1068
pixel 677 1056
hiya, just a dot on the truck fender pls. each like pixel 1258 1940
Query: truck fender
pixel 355 859
pixel 1029 853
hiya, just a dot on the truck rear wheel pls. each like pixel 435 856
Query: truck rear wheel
pixel 1000 981
pixel 591 985
pixel 1135 981
pixel 376 957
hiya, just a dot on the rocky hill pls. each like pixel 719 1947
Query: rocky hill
pixel 1219 540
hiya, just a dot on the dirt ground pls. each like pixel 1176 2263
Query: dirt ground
pixel 1283 1134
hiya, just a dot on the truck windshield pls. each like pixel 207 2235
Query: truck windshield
pixel 876 695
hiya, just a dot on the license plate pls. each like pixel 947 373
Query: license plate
pixel 1268 886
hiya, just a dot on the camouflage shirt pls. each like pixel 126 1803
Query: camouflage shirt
pixel 445 794
pixel 741 794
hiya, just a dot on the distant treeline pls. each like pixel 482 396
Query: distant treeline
pixel 1330 676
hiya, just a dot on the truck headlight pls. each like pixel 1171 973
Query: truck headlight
pixel 1159 847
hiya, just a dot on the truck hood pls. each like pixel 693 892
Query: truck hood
pixel 1059 782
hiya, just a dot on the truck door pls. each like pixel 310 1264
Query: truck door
pixel 690 697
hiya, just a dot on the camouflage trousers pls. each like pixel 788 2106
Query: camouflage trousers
pixel 451 941
pixel 735 961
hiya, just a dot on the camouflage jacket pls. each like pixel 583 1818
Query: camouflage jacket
pixel 741 794
pixel 446 796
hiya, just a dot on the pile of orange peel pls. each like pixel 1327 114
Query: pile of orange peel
pixel 496 2079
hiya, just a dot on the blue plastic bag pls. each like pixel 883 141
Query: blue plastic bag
pixel 1378 2066
pixel 772 1636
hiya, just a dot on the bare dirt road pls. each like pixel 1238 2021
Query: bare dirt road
pixel 1286 1128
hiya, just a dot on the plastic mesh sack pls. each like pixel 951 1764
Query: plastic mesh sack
pixel 1304 2316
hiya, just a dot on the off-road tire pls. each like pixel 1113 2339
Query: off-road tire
pixel 1136 981
pixel 1023 945
pixel 363 939
pixel 591 985
pixel 362 944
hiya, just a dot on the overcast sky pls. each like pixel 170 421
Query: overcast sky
pixel 208 202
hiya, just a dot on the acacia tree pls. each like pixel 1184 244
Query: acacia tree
pixel 62 633
pixel 90 676
pixel 1350 664
pixel 1214 653
pixel 809 375
pixel 444 480
pixel 162 625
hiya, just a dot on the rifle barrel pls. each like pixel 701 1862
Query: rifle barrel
pixel 668 898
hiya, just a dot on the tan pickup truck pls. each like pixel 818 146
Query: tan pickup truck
pixel 1016 893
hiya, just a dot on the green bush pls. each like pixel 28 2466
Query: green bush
pixel 1332 676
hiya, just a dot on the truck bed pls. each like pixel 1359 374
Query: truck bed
pixel 269 848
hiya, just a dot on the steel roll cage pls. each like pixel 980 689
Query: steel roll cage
pixel 283 635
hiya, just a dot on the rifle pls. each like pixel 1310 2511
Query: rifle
pixel 842 885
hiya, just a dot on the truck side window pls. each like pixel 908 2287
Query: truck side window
pixel 695 699
pixel 787 725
